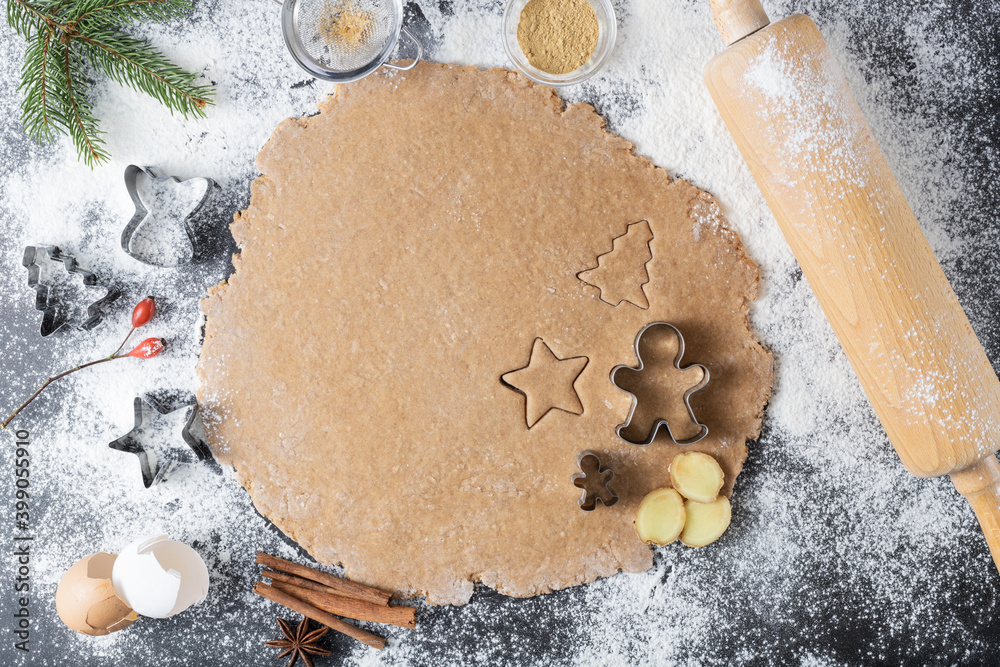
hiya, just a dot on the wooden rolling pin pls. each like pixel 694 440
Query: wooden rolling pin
pixel 788 106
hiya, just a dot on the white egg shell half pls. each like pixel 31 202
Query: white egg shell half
pixel 159 577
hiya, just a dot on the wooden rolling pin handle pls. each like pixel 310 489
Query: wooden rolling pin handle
pixel 735 19
pixel 980 484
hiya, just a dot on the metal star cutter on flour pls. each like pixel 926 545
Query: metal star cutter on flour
pixel 44 263
pixel 147 245
pixel 154 438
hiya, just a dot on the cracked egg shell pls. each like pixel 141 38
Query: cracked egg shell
pixel 159 577
pixel 86 601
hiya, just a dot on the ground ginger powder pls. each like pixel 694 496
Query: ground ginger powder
pixel 557 36
pixel 345 24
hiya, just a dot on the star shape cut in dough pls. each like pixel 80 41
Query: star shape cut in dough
pixel 547 383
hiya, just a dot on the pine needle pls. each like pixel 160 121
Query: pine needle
pixel 136 63
pixel 39 111
pixel 67 39
pixel 125 12
pixel 82 124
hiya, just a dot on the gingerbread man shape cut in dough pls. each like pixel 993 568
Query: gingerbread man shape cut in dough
pixel 660 388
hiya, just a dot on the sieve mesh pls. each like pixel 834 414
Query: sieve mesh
pixel 344 35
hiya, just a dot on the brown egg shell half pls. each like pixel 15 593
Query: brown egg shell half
pixel 86 601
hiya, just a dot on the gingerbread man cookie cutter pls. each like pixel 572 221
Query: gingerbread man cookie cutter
pixel 659 347
pixel 143 214
pixel 595 480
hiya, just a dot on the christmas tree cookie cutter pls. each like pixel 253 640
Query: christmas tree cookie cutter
pixel 54 317
pixel 161 452
pixel 594 479
pixel 143 215
pixel 653 384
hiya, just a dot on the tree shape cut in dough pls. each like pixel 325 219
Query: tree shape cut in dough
pixel 547 383
pixel 660 388
pixel 621 273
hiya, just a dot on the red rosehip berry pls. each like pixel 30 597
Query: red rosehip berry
pixel 148 348
pixel 143 312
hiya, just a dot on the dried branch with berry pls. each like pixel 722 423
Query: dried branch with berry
pixel 147 349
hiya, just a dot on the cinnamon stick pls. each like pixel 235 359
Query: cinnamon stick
pixel 318 615
pixel 404 617
pixel 296 581
pixel 338 585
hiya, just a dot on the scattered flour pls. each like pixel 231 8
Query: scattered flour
pixel 835 555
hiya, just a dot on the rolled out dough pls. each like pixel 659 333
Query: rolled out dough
pixel 402 251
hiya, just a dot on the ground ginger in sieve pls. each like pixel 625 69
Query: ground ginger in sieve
pixel 557 36
pixel 345 24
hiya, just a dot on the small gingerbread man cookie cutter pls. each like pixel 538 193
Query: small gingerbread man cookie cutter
pixel 652 329
pixel 142 214
pixel 595 480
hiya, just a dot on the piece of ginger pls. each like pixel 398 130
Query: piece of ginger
pixel 697 476
pixel 660 518
pixel 706 522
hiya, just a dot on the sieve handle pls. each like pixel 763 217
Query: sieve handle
pixel 416 59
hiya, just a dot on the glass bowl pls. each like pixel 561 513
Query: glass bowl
pixel 607 32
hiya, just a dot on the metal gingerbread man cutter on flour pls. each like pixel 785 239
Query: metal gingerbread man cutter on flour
pixel 661 389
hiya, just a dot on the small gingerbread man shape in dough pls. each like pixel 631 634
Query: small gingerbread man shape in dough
pixel 660 388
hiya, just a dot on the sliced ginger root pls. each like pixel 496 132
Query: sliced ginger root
pixel 693 510
pixel 706 522
pixel 660 518
pixel 697 476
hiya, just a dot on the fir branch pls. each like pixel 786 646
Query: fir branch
pixel 124 12
pixel 65 36
pixel 78 112
pixel 137 64
pixel 40 111
pixel 26 18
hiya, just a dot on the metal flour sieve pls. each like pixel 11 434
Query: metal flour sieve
pixel 344 40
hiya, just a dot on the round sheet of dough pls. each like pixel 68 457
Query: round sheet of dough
pixel 421 238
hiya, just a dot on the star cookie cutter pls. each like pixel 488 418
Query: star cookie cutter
pixel 658 346
pixel 142 214
pixel 157 460
pixel 594 479
pixel 53 319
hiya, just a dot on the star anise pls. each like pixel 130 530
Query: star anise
pixel 299 643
